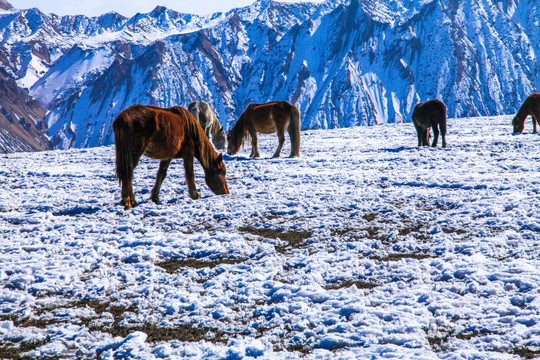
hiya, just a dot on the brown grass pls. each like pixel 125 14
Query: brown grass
pixel 173 265
pixel 399 256
pixel 294 239
pixel 346 284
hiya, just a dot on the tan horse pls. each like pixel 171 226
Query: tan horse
pixel 531 106
pixel 266 119
pixel 164 134
pixel 209 122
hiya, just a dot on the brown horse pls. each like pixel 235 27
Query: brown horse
pixel 266 118
pixel 426 115
pixel 209 122
pixel 531 106
pixel 164 134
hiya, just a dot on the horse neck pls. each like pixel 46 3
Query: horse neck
pixel 239 129
pixel 215 128
pixel 204 151
pixel 521 115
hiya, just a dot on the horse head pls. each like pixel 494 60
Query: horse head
pixel 214 176
pixel 519 124
pixel 220 138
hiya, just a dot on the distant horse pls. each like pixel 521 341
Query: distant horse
pixel 531 106
pixel 204 114
pixel 164 134
pixel 426 115
pixel 266 119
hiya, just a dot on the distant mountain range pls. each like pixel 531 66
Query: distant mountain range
pixel 342 63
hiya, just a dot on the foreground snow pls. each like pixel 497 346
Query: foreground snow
pixel 365 247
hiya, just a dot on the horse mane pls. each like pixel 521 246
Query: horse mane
pixel 216 126
pixel 522 113
pixel 204 151
pixel 238 129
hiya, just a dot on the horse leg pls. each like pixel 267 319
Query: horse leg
pixel 535 121
pixel 419 134
pixel 435 136
pixel 128 199
pixel 190 177
pixel 443 133
pixel 162 172
pixel 281 139
pixel 254 145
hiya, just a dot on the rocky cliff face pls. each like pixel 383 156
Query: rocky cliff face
pixel 21 116
pixel 342 63
pixel 4 5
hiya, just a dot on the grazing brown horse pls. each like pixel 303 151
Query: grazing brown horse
pixel 426 115
pixel 531 106
pixel 209 122
pixel 266 118
pixel 164 134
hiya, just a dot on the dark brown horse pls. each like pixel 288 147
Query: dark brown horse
pixel 426 115
pixel 266 119
pixel 164 134
pixel 531 106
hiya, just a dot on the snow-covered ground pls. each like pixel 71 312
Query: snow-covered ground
pixel 366 247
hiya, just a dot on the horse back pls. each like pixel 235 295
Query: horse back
pixel 163 129
pixel 202 112
pixel 429 113
pixel 266 118
pixel 532 104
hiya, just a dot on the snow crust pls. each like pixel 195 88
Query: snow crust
pixel 365 247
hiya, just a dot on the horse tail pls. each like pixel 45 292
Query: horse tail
pixel 124 152
pixel 294 131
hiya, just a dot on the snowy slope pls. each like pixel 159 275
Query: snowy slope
pixel 342 63
pixel 365 247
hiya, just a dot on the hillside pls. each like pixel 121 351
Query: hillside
pixel 22 126
pixel 342 63
pixel 365 247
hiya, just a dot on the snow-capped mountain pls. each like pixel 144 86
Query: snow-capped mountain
pixel 342 63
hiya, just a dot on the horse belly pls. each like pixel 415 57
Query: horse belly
pixel 161 150
pixel 424 122
pixel 268 128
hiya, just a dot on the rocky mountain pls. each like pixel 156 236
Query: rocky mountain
pixel 342 63
pixel 21 116
pixel 4 5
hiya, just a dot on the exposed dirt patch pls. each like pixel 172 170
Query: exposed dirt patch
pixel 346 284
pixel 300 348
pixel 526 353
pixel 16 351
pixel 370 217
pixel 172 265
pixel 188 333
pixel 30 322
pixel 399 256
pixel 294 239
pixel 453 231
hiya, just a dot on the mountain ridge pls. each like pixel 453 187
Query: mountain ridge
pixel 342 63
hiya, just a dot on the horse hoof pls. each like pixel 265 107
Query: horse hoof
pixel 129 204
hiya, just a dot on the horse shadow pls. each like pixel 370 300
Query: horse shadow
pixel 397 150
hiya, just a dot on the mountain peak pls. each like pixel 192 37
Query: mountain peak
pixel 5 5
